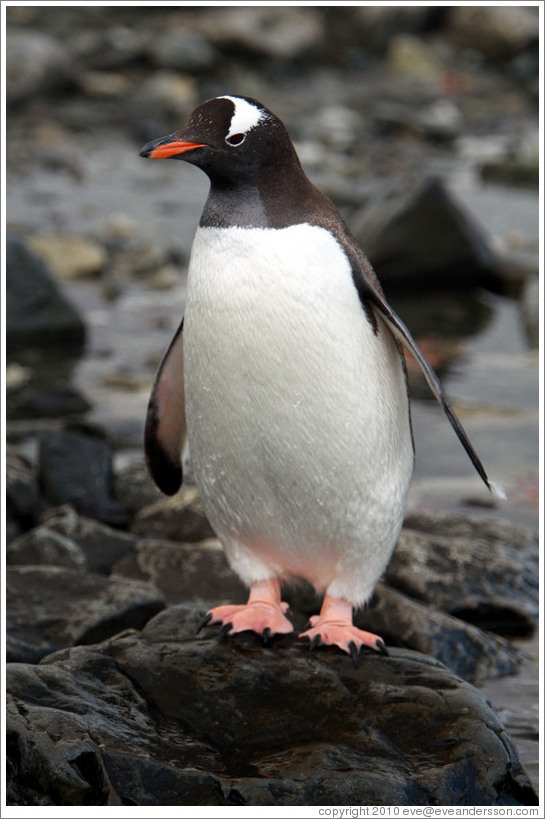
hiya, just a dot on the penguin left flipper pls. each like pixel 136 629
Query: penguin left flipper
pixel 166 431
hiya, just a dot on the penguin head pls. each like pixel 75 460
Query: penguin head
pixel 233 139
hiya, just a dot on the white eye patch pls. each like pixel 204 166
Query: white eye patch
pixel 246 116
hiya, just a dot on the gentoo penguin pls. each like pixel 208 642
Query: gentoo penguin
pixel 287 379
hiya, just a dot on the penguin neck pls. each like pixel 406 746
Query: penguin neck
pixel 277 199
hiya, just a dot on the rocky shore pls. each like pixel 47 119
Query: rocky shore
pixel 405 117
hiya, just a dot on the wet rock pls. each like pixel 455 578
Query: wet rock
pixel 498 32
pixel 196 572
pixel 107 724
pixel 76 468
pixel 42 546
pixel 51 607
pixel 422 235
pixel 67 539
pixel 36 64
pixel 517 171
pixel 133 486
pixel 470 652
pixel 56 402
pixel 182 49
pixel 286 33
pixel 180 517
pixel 37 314
pixel 23 501
pixel 132 257
pixel 185 572
pixel 69 256
pixel 482 571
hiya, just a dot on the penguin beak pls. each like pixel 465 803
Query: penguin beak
pixel 168 146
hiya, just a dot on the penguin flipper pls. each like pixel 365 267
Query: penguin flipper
pixel 166 431
pixel 401 332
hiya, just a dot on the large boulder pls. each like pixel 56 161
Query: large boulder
pixel 65 538
pixel 418 235
pixel 50 607
pixel 484 571
pixel 37 312
pixel 163 718
pixel 76 468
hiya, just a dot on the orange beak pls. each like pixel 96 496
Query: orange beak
pixel 167 147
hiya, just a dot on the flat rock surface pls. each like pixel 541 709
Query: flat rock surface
pixel 163 718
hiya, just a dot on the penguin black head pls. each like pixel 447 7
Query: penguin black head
pixel 231 138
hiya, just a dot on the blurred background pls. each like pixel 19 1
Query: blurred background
pixel 419 122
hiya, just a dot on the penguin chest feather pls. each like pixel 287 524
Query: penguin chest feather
pixel 297 410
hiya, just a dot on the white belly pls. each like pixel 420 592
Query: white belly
pixel 297 413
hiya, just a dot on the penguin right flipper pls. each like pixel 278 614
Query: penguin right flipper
pixel 166 430
pixel 370 293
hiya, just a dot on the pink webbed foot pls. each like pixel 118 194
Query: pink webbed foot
pixel 333 627
pixel 263 613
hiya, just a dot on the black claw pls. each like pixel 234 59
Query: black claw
pixel 355 652
pixel 266 635
pixel 381 647
pixel 204 622
pixel 224 631
pixel 315 642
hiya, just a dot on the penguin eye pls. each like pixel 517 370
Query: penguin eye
pixel 235 139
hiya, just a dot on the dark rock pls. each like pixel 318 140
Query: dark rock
pixel 468 651
pixel 67 539
pixel 41 546
pixel 155 719
pixel 35 64
pixel 512 170
pixel 134 487
pixel 422 236
pixel 185 572
pixel 23 501
pixel 50 607
pixel 193 572
pixel 76 469
pixel 180 517
pixel 101 545
pixel 37 313
pixel 55 402
pixel 482 571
